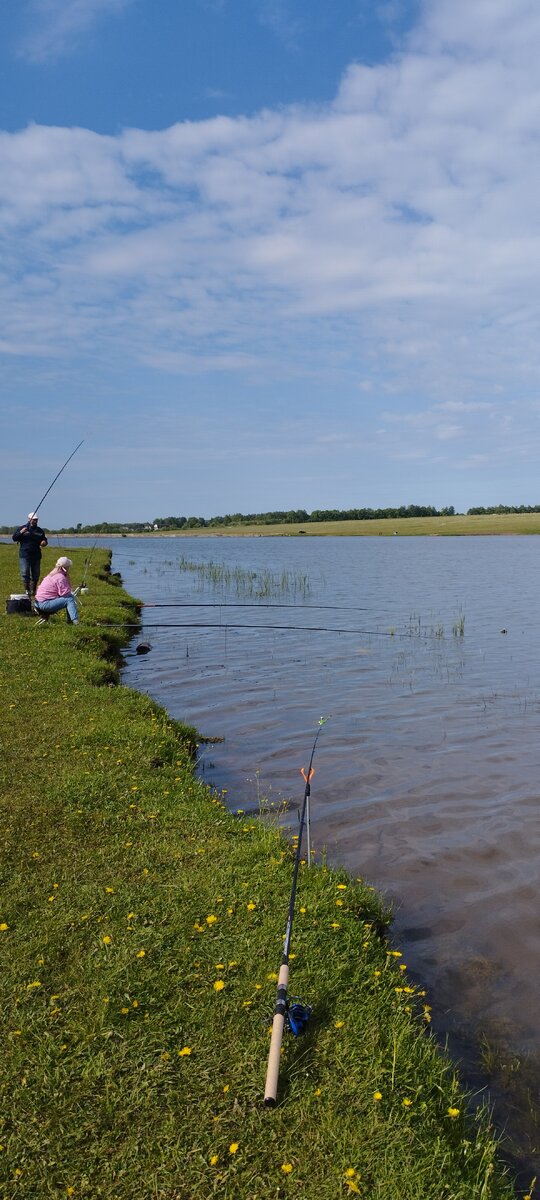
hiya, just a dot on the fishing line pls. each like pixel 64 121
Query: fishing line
pixel 292 1010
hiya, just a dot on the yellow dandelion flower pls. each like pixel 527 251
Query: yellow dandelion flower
pixel 406 1102
pixel 453 1112
pixel 4 926
pixel 376 973
pixel 183 1053
pixel 34 984
pixel 141 953
pixel 377 1095
pixel 353 1187
pixel 317 1092
pixel 339 903
pixel 226 1087
pixel 214 1159
pixel 233 1147
pixel 107 940
pixel 135 1004
pixel 339 1024
pixel 335 925
pixel 219 985
pixel 109 890
pixel 287 1168
pixel 219 966
pixel 342 887
pixel 124 1011
pixel 211 920
pixel 130 916
pixel 272 977
pixel 350 1173
pixel 251 906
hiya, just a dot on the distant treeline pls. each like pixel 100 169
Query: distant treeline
pixel 497 509
pixel 297 516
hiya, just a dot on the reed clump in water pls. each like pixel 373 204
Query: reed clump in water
pixel 246 584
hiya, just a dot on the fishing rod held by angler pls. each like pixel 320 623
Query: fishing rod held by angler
pixel 285 1009
pixel 36 509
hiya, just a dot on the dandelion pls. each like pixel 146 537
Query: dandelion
pixel 219 985
pixel 233 1147
pixel 287 1168
pixel 3 926
pixel 406 1102
pixel 107 940
pixel 183 1053
pixel 34 984
pixel 350 1173
pixel 376 974
pixel 251 906
pixel 339 1024
pixel 226 1087
pixel 317 1092
pixel 141 953
pixel 453 1112
pixel 124 1011
pixel 214 1159
pixel 211 920
pixel 109 890
pixel 377 1096
pixel 335 925
pixel 342 887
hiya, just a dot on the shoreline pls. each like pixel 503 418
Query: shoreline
pixel 142 927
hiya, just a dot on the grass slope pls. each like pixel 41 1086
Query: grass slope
pixel 141 928
pixel 459 526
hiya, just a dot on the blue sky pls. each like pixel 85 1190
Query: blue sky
pixel 262 256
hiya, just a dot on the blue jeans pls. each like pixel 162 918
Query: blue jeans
pixel 30 565
pixel 52 606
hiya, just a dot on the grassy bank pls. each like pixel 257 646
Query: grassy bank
pixel 141 929
pixel 459 526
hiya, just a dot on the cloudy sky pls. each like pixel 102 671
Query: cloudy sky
pixel 262 256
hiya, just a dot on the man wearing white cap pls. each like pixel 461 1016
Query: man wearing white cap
pixel 31 539
pixel 55 592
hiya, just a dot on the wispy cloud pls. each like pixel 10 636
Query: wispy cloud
pixel 56 26
pixel 386 243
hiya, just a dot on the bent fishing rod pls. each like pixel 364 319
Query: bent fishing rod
pixel 49 489
pixel 282 1009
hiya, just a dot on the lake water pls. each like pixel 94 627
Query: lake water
pixel 427 774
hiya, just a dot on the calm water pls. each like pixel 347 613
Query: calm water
pixel 427 774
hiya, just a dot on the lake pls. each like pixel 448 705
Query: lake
pixel 427 773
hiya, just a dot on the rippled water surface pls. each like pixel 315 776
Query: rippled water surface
pixel 427 775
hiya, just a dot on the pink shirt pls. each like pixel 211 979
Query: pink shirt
pixel 57 583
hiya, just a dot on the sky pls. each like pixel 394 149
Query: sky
pixel 268 254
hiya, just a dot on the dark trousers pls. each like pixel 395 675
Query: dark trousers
pixel 30 565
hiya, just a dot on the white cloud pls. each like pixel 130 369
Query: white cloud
pixel 388 239
pixel 57 25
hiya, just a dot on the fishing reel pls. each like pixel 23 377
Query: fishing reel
pixel 297 1015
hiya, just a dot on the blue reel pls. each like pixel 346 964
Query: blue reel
pixel 297 1015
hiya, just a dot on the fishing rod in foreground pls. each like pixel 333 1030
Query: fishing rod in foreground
pixel 298 1014
pixel 49 489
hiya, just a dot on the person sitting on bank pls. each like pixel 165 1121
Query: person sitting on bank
pixel 55 592
pixel 31 539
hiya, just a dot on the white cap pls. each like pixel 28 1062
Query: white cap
pixel 32 516
pixel 63 562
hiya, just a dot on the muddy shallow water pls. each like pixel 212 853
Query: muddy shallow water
pixel 428 772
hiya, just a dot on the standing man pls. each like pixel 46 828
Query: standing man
pixel 31 538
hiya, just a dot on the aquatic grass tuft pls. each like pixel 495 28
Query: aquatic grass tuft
pixel 246 584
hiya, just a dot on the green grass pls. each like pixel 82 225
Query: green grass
pixel 458 526
pixel 128 891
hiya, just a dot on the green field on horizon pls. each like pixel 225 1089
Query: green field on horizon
pixel 458 526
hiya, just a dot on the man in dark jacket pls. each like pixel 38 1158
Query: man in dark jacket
pixel 31 538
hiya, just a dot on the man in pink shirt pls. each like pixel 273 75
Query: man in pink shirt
pixel 55 592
